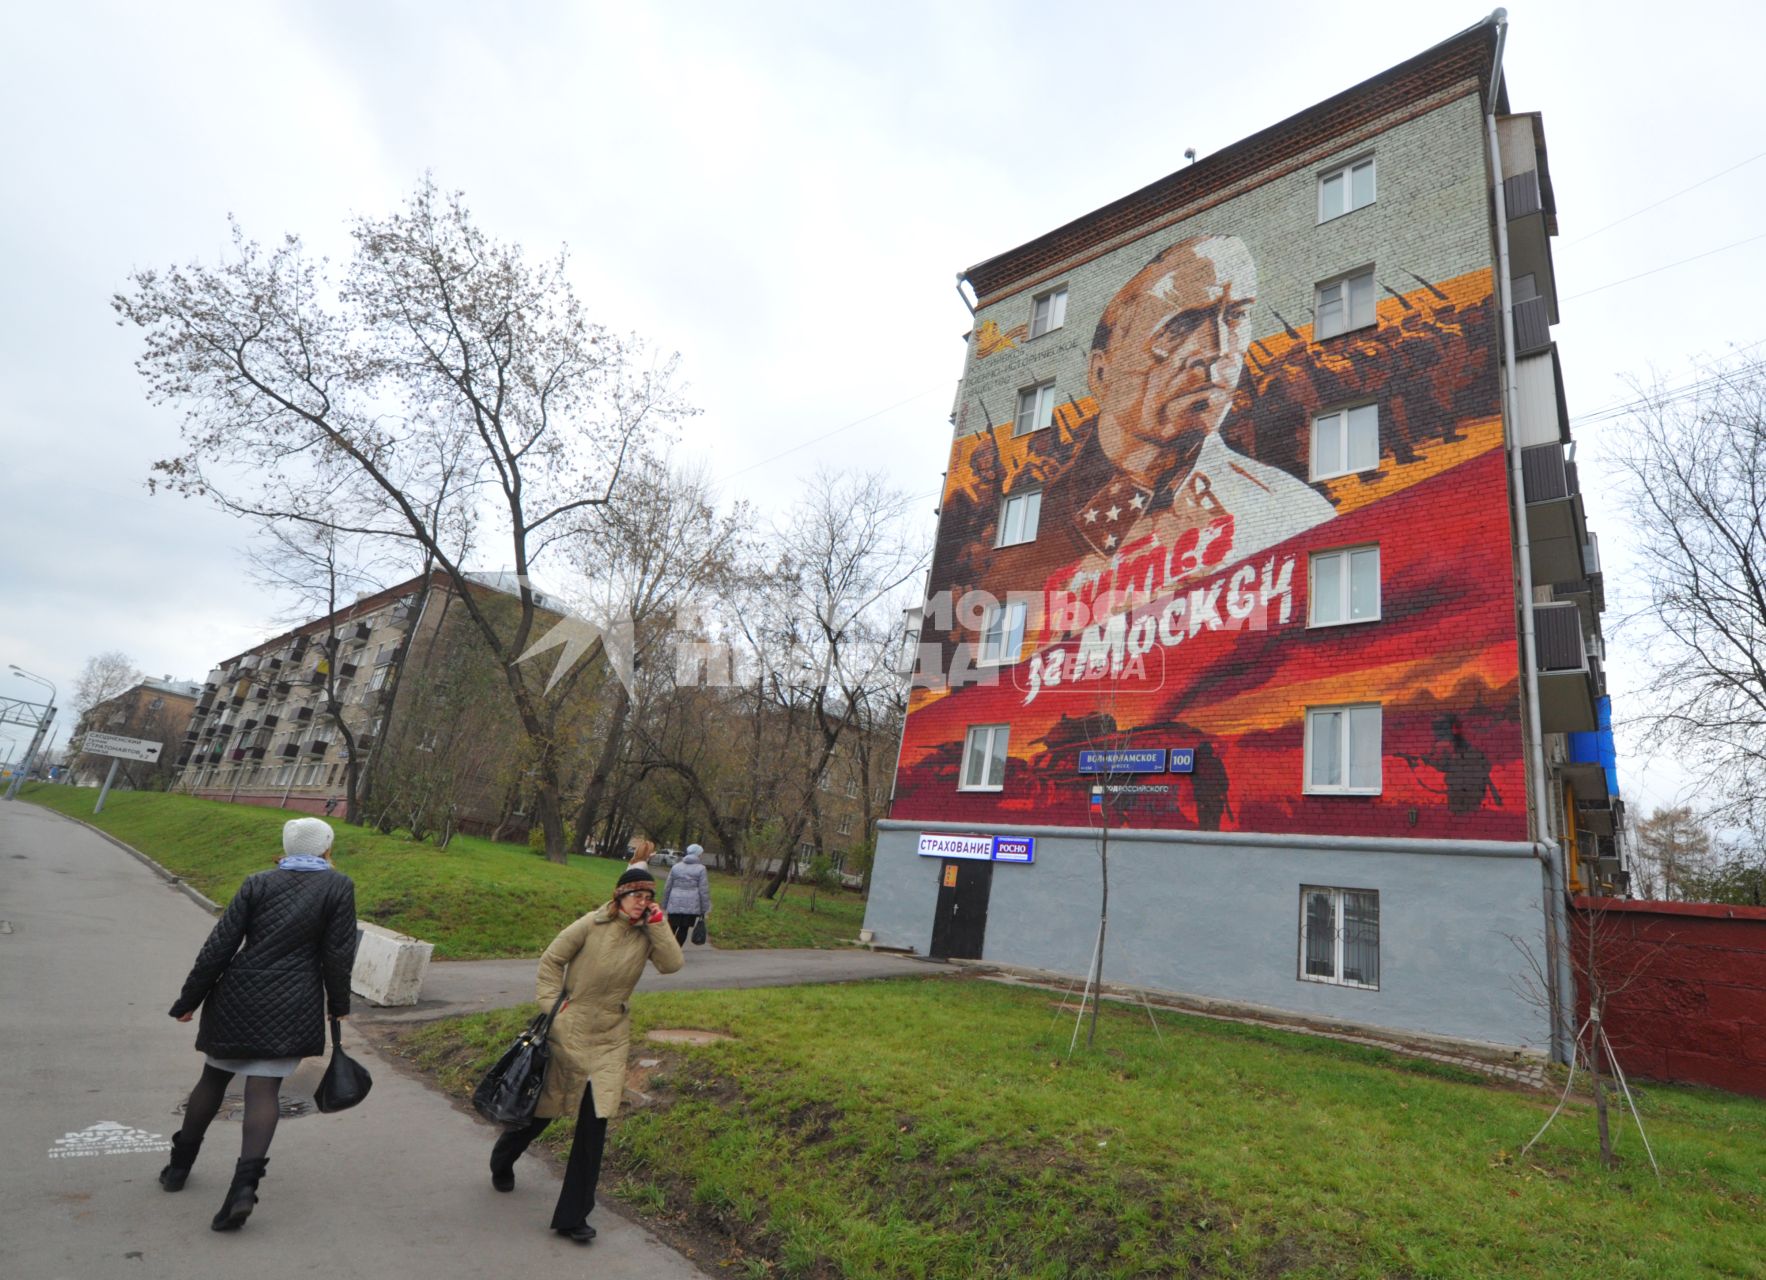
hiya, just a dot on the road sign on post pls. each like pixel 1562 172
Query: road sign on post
pixel 108 744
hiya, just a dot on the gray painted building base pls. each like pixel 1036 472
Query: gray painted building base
pixel 1217 915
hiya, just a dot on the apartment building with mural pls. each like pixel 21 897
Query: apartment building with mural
pixel 1262 550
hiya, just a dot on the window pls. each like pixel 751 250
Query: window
pixel 1019 517
pixel 1343 750
pixel 1346 189
pixel 1340 936
pixel 846 825
pixel 1002 633
pixel 1049 311
pixel 984 758
pixel 1345 587
pixel 378 679
pixel 1343 305
pixel 1345 442
pixel 1036 409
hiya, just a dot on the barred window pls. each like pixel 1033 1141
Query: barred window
pixel 1340 936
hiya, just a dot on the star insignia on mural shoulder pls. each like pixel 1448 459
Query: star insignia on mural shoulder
pixel 1091 516
pixel 1138 502
pixel 1112 513
pixel 1109 542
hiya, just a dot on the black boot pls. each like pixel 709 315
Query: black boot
pixel 241 1196
pixel 178 1168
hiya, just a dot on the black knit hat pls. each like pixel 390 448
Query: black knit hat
pixel 634 879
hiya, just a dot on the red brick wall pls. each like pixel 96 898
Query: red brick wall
pixel 1692 1007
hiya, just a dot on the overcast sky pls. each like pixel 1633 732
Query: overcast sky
pixel 782 193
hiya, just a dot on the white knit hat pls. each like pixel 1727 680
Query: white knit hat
pixel 306 835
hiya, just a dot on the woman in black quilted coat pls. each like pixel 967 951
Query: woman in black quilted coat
pixel 264 1003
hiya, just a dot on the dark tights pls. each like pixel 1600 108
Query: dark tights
pixel 262 1108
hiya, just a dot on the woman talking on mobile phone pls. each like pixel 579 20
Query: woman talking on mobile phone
pixel 595 962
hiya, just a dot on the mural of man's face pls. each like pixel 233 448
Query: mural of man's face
pixel 1178 332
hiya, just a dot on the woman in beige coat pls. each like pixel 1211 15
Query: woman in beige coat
pixel 596 962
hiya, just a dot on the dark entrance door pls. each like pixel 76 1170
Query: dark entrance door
pixel 960 926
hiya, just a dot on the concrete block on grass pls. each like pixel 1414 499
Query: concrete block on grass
pixel 389 966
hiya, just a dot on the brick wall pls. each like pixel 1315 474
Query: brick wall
pixel 1690 988
pixel 1209 592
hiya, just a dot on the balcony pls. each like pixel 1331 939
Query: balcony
pixel 1557 528
pixel 303 715
pixel 346 671
pixel 258 753
pixel 1568 678
pixel 357 633
pixel 270 722
pixel 281 688
pixel 318 746
pixel 248 726
pixel 238 753
pixel 289 751
pixel 387 658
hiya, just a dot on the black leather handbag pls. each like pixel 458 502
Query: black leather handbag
pixel 510 1091
pixel 346 1082
pixel 699 932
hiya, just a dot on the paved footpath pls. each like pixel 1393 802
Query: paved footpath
pixel 93 948
pixel 470 986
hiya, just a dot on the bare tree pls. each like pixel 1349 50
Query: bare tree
pixel 1694 460
pixel 442 372
pixel 826 640
pixel 1671 851
pixel 641 560
pixel 103 677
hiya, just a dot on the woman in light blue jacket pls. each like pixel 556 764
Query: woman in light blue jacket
pixel 686 896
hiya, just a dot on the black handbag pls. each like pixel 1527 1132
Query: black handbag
pixel 345 1082
pixel 699 932
pixel 510 1091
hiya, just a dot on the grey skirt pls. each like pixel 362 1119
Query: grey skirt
pixel 282 1068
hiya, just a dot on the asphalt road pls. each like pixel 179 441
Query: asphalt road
pixel 93 947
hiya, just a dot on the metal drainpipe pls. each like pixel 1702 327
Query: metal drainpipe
pixel 1560 979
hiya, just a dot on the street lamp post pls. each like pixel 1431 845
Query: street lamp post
pixel 43 724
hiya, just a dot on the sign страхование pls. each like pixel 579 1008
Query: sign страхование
pixel 981 848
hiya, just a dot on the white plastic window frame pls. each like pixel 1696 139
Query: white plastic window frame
pixel 1039 400
pixel 1338 896
pixel 1345 750
pixel 984 736
pixel 1345 585
pixel 1002 634
pixel 1344 463
pixel 1346 171
pixel 1029 502
pixel 1055 316
pixel 1351 321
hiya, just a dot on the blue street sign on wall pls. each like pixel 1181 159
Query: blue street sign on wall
pixel 1135 760
pixel 1014 848
pixel 1183 760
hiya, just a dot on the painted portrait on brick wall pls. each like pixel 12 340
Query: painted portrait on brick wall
pixel 1233 533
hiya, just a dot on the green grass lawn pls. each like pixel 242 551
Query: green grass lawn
pixel 935 1128
pixel 474 900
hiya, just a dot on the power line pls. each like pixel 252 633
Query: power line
pixel 1613 284
pixel 1620 409
pixel 1664 200
pixel 918 395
